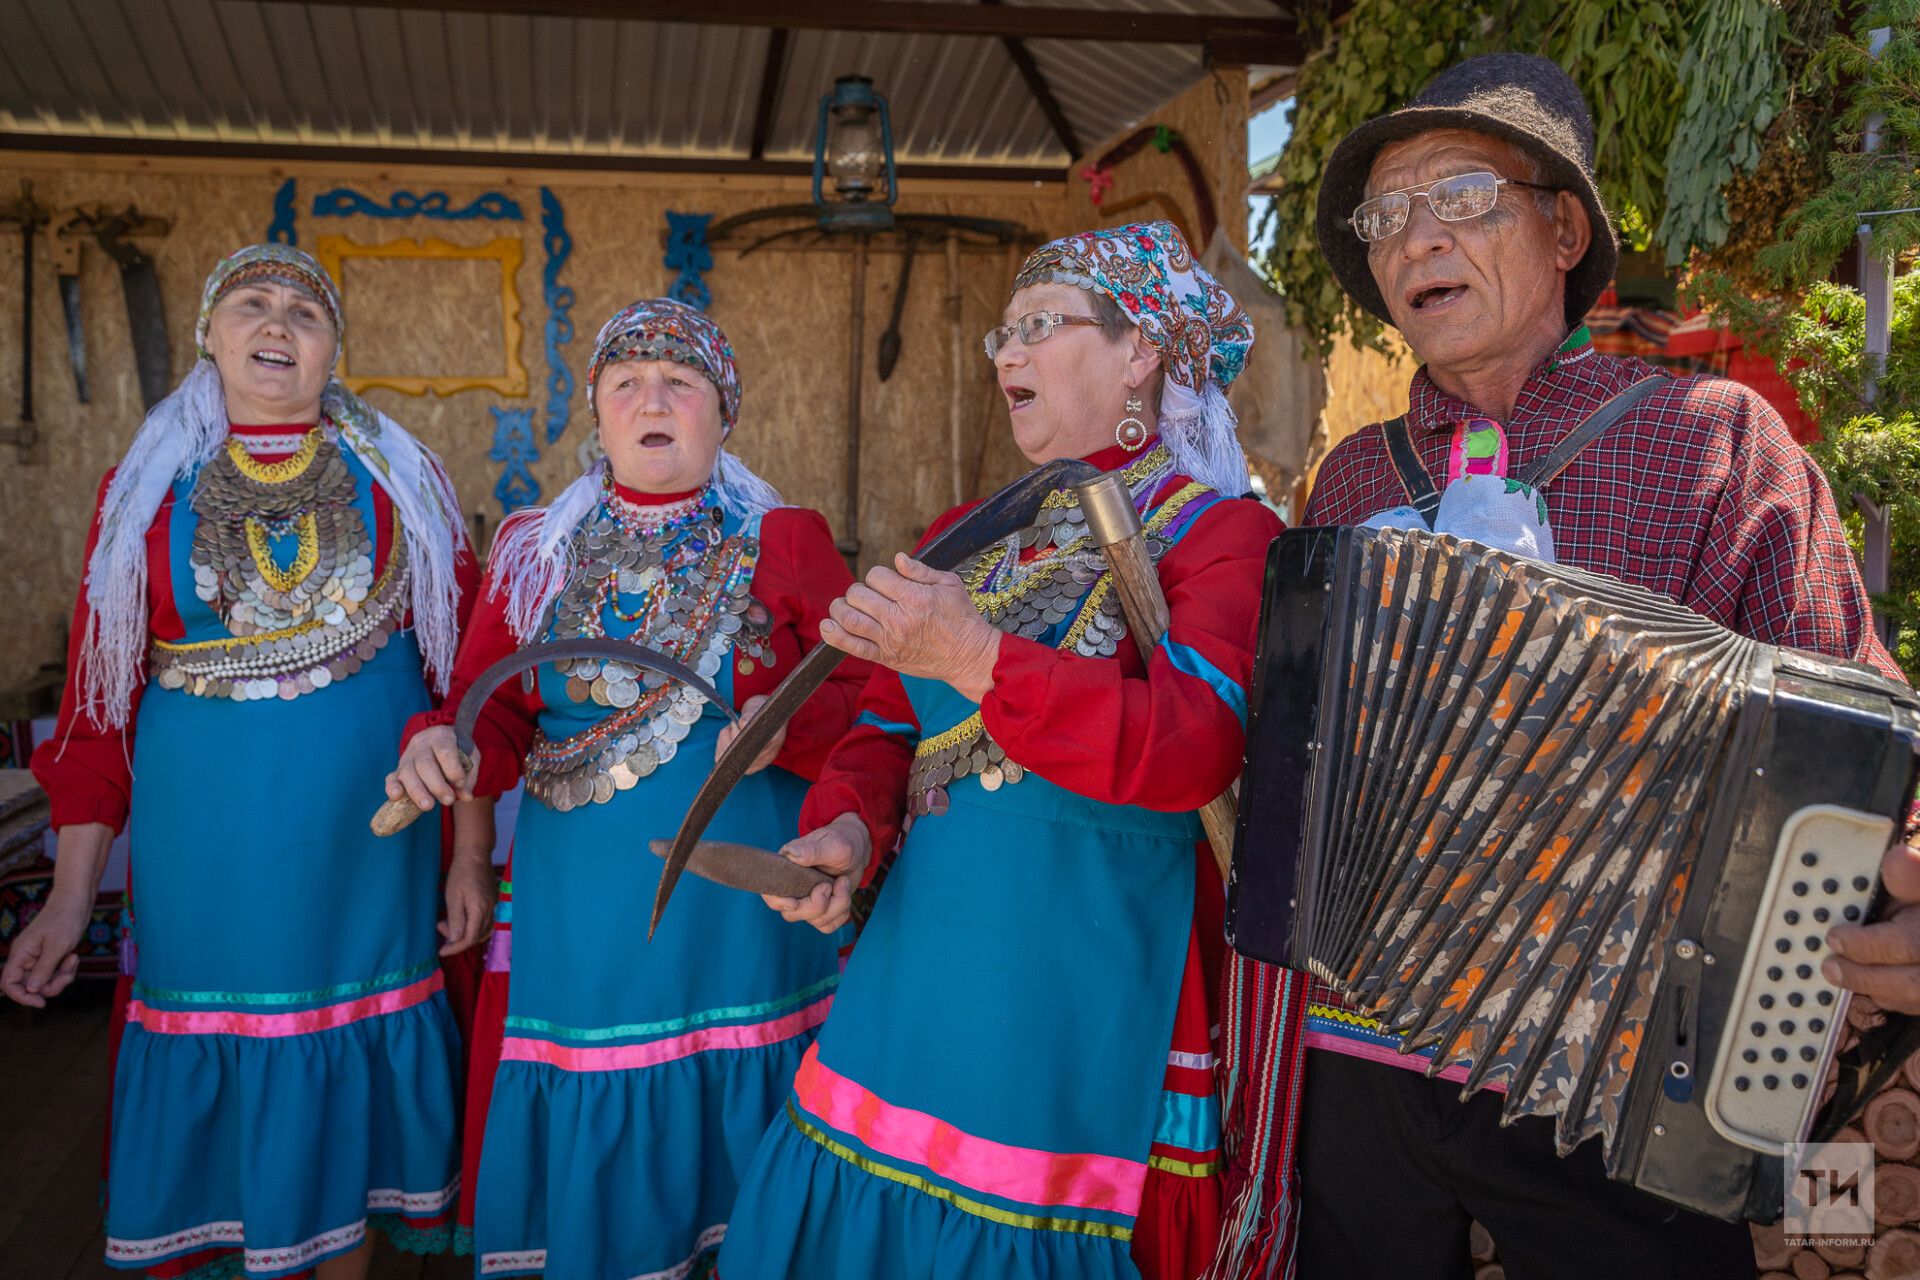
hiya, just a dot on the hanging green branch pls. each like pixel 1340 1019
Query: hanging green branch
pixel 1385 52
pixel 1824 227
pixel 1732 95
pixel 1815 330
pixel 1622 54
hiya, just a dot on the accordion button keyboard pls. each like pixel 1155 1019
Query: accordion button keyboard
pixel 1826 863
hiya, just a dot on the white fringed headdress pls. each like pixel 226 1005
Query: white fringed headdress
pixel 187 428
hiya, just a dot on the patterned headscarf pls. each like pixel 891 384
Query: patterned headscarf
pixel 1201 333
pixel 532 554
pixel 280 263
pixel 186 429
pixel 662 329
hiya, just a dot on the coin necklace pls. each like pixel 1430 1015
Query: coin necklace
pixel 684 585
pixel 1068 583
pixel 294 627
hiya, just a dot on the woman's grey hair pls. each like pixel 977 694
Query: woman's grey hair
pixel 1113 321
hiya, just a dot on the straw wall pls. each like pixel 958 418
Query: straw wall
pixel 786 312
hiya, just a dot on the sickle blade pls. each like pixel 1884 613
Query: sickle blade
pixel 1003 514
pixel 623 652
pixel 395 815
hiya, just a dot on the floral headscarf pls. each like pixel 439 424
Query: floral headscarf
pixel 1201 333
pixel 662 329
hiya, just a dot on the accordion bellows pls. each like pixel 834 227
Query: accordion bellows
pixel 1570 836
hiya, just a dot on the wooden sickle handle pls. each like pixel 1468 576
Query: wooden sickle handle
pixel 1115 528
pixel 396 816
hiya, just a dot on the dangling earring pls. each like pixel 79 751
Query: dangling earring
pixel 1131 433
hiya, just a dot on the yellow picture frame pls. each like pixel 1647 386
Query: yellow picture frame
pixel 333 251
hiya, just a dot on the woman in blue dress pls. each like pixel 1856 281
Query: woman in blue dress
pixel 274 579
pixel 635 1078
pixel 1017 1081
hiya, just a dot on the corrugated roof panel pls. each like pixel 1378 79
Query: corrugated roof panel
pixel 134 95
pixel 424 37
pixel 247 70
pixel 51 97
pixel 81 70
pixel 470 73
pixel 265 83
pixel 342 73
pixel 396 97
pixel 289 38
pixel 591 86
pixel 235 113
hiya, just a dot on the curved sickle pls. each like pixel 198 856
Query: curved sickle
pixel 740 866
pixel 396 815
pixel 1006 512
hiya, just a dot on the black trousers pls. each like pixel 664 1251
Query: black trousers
pixel 1394 1168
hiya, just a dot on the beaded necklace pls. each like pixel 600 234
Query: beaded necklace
pixel 1069 580
pixel 673 573
pixel 292 629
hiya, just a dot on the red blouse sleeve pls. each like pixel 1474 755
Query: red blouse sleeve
pixel 800 574
pixel 1776 559
pixel 866 772
pixel 1169 737
pixel 86 769
pixel 504 731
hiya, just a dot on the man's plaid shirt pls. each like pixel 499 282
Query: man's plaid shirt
pixel 1699 493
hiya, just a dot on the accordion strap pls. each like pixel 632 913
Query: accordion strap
pixel 1414 477
pixel 1425 497
pixel 1602 420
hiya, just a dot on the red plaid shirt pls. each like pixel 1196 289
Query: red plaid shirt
pixel 1699 493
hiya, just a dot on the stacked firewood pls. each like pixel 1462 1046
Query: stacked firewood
pixel 1891 1122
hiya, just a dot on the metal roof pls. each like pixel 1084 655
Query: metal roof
pixel 391 77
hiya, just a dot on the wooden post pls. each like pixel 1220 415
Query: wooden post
pixel 1876 288
pixel 956 348
pixel 1114 527
pixel 856 367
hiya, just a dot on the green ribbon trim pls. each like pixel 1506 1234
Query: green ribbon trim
pixel 637 1030
pixel 275 999
pixel 966 1204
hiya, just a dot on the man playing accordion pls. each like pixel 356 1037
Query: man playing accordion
pixel 1471 220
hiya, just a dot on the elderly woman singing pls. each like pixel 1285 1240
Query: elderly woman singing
pixel 1016 1080
pixel 634 1079
pixel 274 579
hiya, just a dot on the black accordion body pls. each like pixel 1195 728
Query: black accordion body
pixel 1574 837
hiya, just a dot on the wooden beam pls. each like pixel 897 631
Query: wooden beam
pixel 1267 40
pixel 562 161
pixel 770 77
pixel 1042 91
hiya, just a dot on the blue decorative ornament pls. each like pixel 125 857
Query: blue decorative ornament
pixel 343 202
pixel 559 246
pixel 280 230
pixel 688 254
pixel 513 445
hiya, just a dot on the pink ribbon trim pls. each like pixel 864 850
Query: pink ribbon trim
pixel 1025 1174
pixel 1334 1042
pixel 221 1022
pixel 628 1057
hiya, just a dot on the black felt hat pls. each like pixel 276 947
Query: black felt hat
pixel 1524 99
